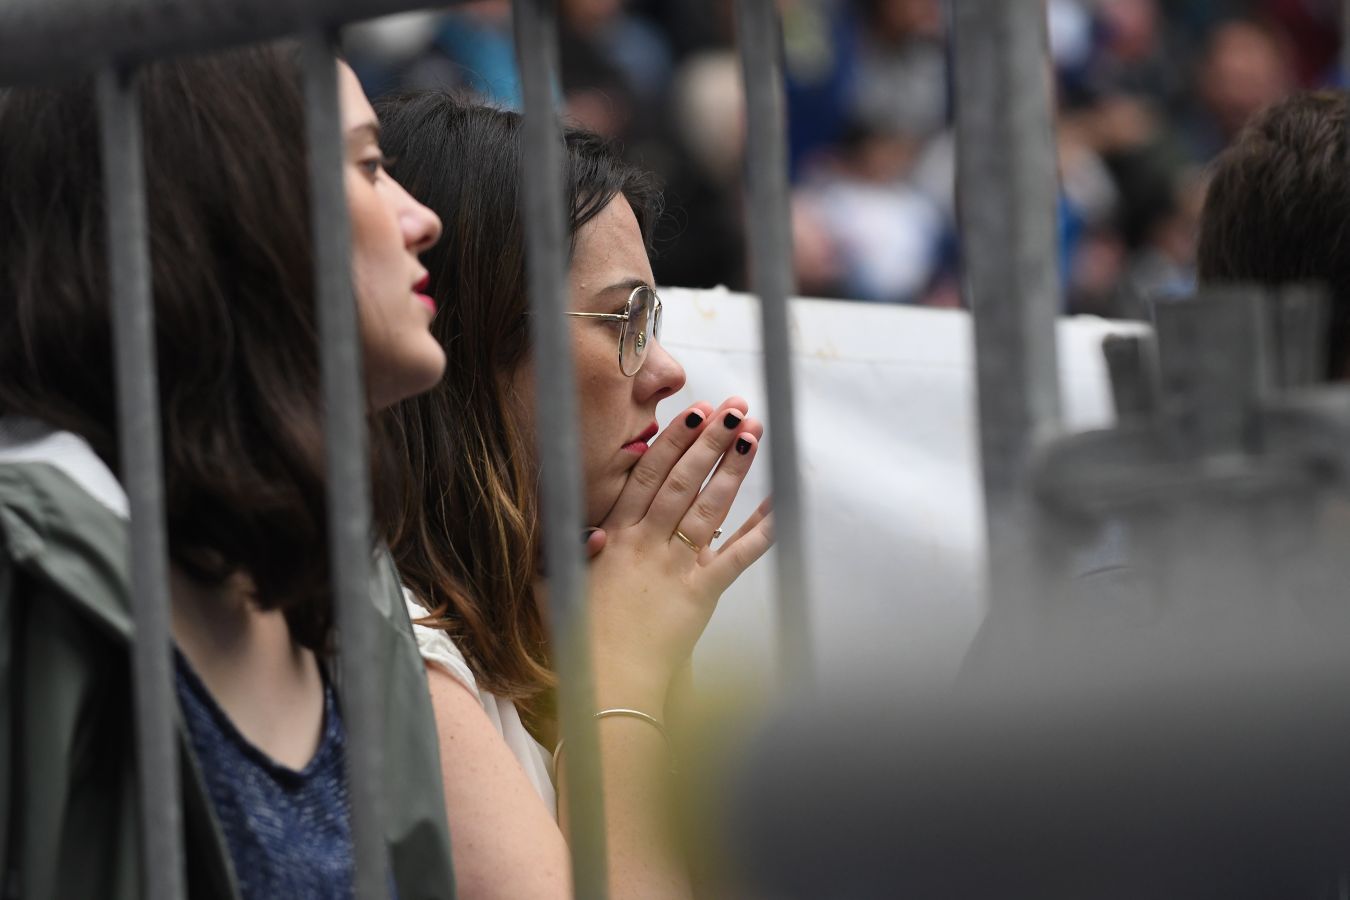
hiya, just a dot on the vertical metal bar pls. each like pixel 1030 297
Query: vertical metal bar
pixel 1345 62
pixel 142 466
pixel 759 34
pixel 1006 188
pixel 560 487
pixel 344 397
pixel 1345 43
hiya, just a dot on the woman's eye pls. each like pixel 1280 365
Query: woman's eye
pixel 372 166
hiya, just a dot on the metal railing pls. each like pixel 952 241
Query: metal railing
pixel 54 40
pixel 1006 200
pixel 1007 185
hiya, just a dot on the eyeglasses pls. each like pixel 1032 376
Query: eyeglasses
pixel 641 324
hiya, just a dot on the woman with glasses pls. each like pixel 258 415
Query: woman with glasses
pixel 469 547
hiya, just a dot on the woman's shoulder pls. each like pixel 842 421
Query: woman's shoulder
pixel 438 647
pixel 63 520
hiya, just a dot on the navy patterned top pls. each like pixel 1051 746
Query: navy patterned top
pixel 288 832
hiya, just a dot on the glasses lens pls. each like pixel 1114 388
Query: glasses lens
pixel 638 332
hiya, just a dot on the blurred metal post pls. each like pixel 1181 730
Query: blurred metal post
pixel 344 401
pixel 133 320
pixel 1006 193
pixel 1345 55
pixel 1345 44
pixel 759 34
pixel 545 216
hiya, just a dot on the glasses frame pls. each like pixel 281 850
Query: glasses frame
pixel 626 317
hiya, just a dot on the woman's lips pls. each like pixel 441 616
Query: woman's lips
pixel 420 292
pixel 638 444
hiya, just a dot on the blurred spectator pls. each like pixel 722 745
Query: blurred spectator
pixel 1149 91
pixel 1313 26
pixel 900 83
pixel 885 235
pixel 820 58
pixel 700 240
pixel 613 65
pixel 1278 209
pixel 1244 70
pixel 476 52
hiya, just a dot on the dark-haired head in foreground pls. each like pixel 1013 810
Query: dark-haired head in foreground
pixel 1278 208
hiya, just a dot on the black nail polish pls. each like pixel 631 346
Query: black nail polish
pixel 732 420
pixel 693 420
pixel 742 446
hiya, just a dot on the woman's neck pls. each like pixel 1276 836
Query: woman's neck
pixel 269 687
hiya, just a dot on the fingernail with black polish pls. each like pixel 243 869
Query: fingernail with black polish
pixel 732 420
pixel 694 419
pixel 742 446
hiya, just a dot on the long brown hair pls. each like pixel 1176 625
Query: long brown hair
pixel 236 334
pixel 468 542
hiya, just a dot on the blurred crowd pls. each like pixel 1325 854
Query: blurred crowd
pixel 1147 93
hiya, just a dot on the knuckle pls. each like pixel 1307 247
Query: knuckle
pixel 645 478
pixel 707 509
pixel 716 439
pixel 679 483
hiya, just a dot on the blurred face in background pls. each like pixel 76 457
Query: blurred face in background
pixel 1244 72
pixel 585 15
pixel 898 20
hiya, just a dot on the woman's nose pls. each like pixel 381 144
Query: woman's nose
pixel 421 226
pixel 660 376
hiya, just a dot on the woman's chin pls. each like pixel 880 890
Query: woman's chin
pixel 599 503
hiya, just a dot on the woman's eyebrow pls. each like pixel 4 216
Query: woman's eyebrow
pixel 628 284
pixel 366 131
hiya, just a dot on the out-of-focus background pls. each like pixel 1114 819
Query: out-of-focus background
pixel 1149 91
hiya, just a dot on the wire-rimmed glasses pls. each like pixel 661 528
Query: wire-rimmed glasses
pixel 640 325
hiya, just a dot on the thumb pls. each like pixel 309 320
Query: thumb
pixel 594 539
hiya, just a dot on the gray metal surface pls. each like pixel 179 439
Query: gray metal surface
pixel 142 476
pixel 345 438
pixel 1345 39
pixel 1006 193
pixel 42 40
pixel 560 504
pixel 759 34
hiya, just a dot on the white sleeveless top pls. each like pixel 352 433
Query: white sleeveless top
pixel 439 648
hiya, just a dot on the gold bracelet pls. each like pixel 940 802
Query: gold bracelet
pixel 630 714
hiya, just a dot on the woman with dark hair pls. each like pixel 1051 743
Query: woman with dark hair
pixel 261 732
pixel 468 548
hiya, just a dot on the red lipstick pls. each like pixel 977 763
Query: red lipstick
pixel 638 444
pixel 419 291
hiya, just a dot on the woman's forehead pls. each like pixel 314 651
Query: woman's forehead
pixel 356 109
pixel 610 250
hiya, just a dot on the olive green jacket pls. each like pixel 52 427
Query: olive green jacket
pixel 69 824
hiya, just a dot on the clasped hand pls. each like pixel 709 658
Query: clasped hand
pixel 656 582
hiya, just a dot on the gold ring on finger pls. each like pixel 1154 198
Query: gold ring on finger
pixel 688 543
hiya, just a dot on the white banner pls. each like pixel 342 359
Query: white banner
pixel 887 438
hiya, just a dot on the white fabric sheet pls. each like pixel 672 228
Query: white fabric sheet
pixel 889 455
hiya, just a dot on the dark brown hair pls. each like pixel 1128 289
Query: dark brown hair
pixel 1278 208
pixel 468 542
pixel 235 322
